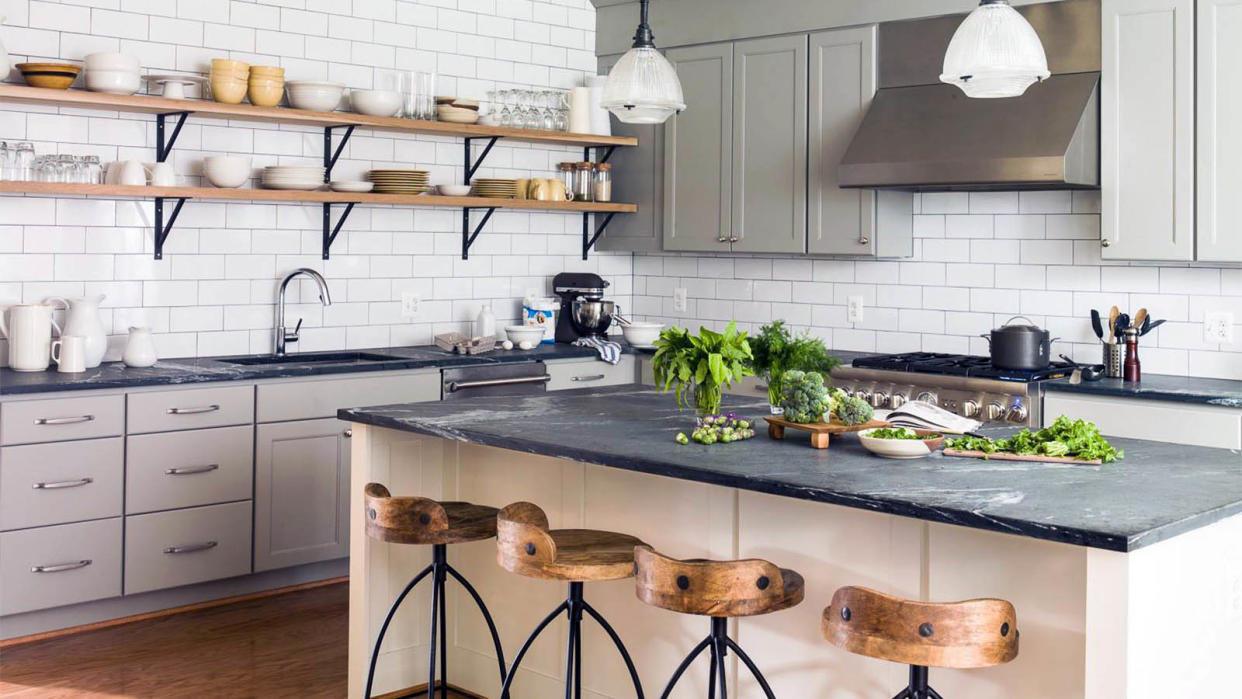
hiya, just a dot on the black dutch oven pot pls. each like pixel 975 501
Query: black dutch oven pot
pixel 1020 347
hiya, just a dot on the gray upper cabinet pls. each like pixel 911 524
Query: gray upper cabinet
pixel 1219 130
pixel 769 145
pixel 698 157
pixel 637 178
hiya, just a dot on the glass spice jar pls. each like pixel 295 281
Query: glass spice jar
pixel 583 182
pixel 602 190
pixel 567 176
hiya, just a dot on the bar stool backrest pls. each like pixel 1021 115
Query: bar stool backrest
pixel 709 588
pixel 402 520
pixel 971 634
pixel 523 543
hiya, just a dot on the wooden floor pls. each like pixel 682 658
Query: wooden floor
pixel 292 645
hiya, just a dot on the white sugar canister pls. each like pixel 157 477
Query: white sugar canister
pixel 541 313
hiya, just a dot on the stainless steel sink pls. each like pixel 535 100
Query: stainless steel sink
pixel 311 358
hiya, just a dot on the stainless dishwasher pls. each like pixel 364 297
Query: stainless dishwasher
pixel 524 378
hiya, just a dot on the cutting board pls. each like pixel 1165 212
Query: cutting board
pixel 821 432
pixel 1000 456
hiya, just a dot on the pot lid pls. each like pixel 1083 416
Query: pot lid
pixel 1012 328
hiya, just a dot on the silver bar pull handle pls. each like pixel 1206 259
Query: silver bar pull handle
pixel 193 411
pixel 455 386
pixel 592 377
pixel 190 470
pixel 56 485
pixel 61 567
pixel 191 548
pixel 63 420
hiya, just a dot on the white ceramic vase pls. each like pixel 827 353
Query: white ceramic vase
pixel 140 348
pixel 82 318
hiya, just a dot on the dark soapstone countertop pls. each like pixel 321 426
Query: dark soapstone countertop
pixel 1182 389
pixel 1157 492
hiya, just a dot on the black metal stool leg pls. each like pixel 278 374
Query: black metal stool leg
pixel 711 670
pixel 435 624
pixel 933 693
pixel 685 664
pixel 750 665
pixel 625 655
pixel 441 580
pixel 387 620
pixel 720 634
pixel 517 660
pixel 487 616
pixel 574 603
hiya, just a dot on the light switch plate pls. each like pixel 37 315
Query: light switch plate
pixel 854 309
pixel 410 305
pixel 1218 327
pixel 679 299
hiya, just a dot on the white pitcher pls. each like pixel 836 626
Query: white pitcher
pixel 140 348
pixel 82 318
pixel 29 331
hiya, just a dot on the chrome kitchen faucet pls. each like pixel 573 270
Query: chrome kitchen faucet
pixel 284 336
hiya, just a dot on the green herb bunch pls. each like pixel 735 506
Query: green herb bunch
pixel 777 352
pixel 898 433
pixel 1076 439
pixel 703 364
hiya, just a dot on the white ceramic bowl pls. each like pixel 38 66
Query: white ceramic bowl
pixel 383 103
pixel 109 60
pixel 642 334
pixel 113 82
pixel 314 96
pixel 351 186
pixel 521 333
pixel 454 190
pixel 226 170
pixel 901 448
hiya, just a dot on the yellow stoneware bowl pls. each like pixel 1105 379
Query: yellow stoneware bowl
pixel 273 71
pixel 224 66
pixel 54 76
pixel 228 90
pixel 266 93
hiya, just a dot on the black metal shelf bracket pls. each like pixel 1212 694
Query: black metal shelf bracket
pixel 164 146
pixel 608 150
pixel 330 231
pixel 467 238
pixel 161 229
pixel 330 156
pixel 588 240
pixel 472 165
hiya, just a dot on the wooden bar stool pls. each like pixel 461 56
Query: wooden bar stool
pixel 419 521
pixel 526 546
pixel 720 590
pixel 971 634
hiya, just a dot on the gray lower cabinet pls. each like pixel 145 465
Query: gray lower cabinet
pixel 186 469
pixel 180 547
pixel 44 484
pixel 769 145
pixel 54 566
pixel 698 152
pixel 638 178
pixel 301 493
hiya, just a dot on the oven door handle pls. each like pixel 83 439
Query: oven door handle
pixel 455 386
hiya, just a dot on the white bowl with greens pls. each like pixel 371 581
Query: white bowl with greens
pixel 900 442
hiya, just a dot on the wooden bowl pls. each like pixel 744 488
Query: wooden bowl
pixel 53 76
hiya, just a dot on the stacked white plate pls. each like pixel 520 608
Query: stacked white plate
pixel 292 177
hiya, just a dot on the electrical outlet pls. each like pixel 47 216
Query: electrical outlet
pixel 410 303
pixel 854 309
pixel 679 299
pixel 1218 327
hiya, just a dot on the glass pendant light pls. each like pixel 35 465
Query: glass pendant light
pixel 642 87
pixel 995 53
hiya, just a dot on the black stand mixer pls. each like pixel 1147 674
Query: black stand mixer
pixel 584 312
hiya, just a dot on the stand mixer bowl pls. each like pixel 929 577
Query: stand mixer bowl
pixel 593 316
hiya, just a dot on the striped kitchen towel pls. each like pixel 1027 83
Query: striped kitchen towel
pixel 608 351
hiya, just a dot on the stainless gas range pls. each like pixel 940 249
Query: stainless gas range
pixel 967 385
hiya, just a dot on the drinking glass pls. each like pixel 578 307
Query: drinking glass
pixel 562 110
pixel 65 167
pixel 94 170
pixel 548 99
pixel 25 154
pixel 409 94
pixel 8 162
pixel 506 114
pixel 425 91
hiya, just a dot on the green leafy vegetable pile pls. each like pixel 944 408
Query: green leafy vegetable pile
pixel 701 365
pixel 719 428
pixel 853 410
pixel 898 433
pixel 1076 439
pixel 804 397
pixel 778 352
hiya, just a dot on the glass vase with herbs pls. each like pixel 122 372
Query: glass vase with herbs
pixel 699 367
pixel 777 351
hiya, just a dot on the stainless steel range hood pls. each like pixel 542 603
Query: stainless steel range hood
pixel 922 135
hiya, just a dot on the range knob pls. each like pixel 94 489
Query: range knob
pixel 929 397
pixel 996 411
pixel 1017 412
pixel 897 400
pixel 879 399
pixel 970 408
pixel 863 394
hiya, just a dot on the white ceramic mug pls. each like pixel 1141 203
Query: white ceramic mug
pixel 69 353
pixel 131 172
pixel 160 174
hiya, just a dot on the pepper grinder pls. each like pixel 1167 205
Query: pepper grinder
pixel 1132 370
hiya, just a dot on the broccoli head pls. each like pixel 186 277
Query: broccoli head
pixel 853 410
pixel 804 397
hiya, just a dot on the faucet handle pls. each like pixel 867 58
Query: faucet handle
pixel 297 327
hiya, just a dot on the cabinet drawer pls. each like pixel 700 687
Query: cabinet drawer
pixel 55 566
pixel 167 549
pixel 59 419
pixel 42 484
pixel 164 411
pixel 185 469
pixel 591 373
pixel 304 400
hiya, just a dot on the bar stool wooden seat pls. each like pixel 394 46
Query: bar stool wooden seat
pixel 527 546
pixel 972 634
pixel 419 521
pixel 720 590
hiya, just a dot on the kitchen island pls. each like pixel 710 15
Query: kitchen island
pixel 1108 566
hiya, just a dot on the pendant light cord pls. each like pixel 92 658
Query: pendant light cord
pixel 643 38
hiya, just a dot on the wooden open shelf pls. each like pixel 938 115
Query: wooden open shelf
pixel 118 191
pixel 147 104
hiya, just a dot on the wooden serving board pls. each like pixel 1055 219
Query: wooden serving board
pixel 821 432
pixel 1002 456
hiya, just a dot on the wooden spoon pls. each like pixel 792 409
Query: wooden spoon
pixel 1140 318
pixel 1113 313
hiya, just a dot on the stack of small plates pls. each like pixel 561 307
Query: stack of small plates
pixel 400 181
pixel 292 177
pixel 497 189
